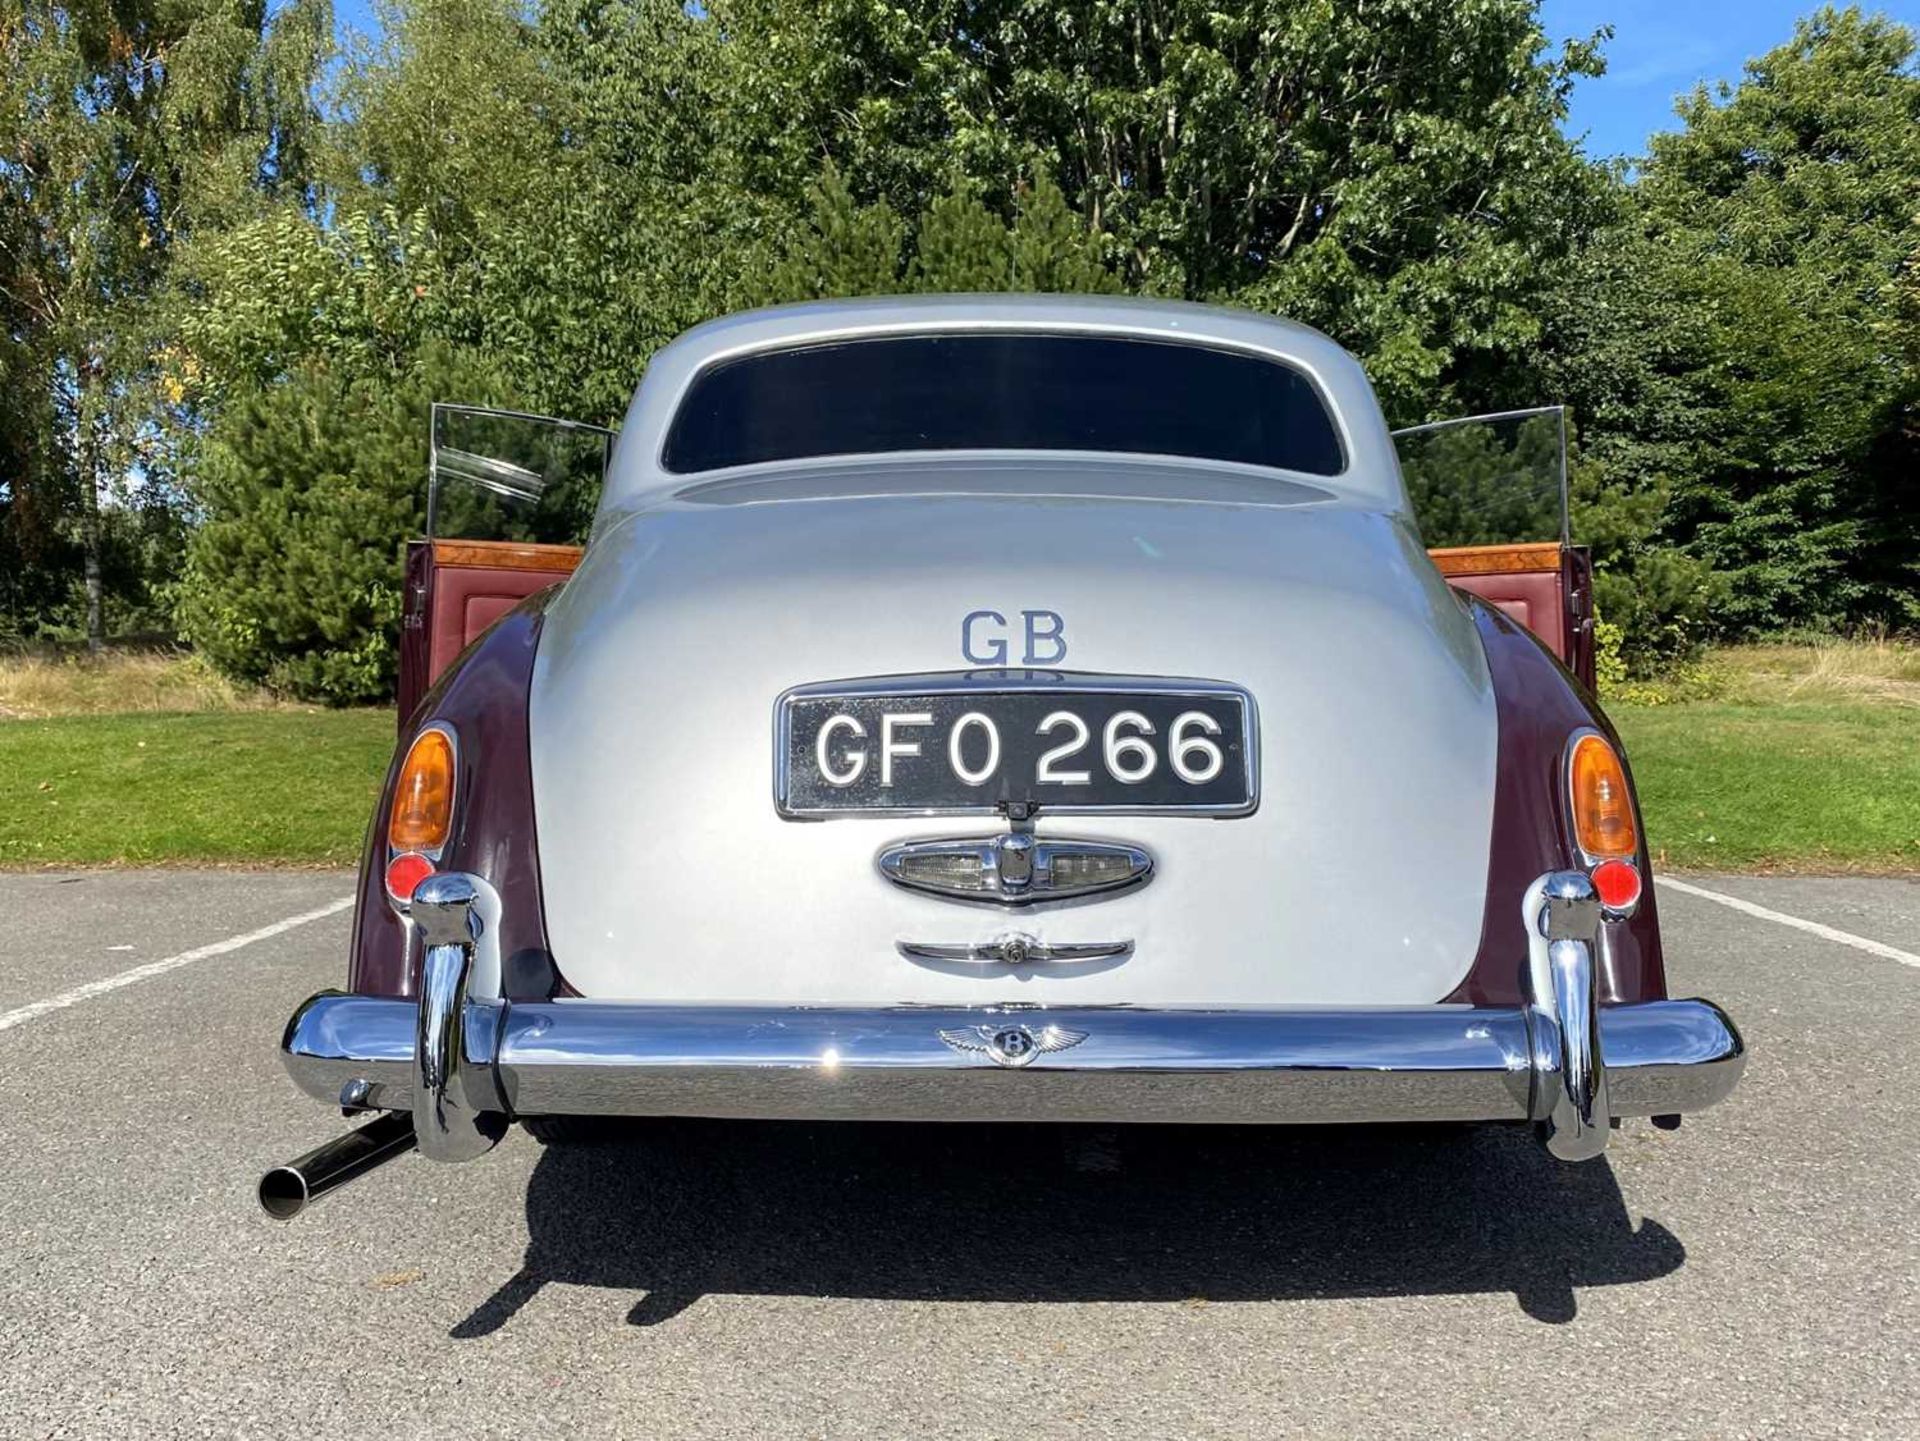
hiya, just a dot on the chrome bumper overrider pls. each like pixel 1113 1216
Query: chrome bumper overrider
pixel 463 1065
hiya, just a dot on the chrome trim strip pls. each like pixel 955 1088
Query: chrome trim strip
pixel 1012 682
pixel 1013 950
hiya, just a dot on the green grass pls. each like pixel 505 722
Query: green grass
pixel 1785 784
pixel 289 787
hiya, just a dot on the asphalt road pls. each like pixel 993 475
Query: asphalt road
pixel 1757 1273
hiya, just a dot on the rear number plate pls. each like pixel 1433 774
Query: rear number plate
pixel 966 748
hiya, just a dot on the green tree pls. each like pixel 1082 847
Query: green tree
pixel 1310 160
pixel 364 295
pixel 1485 483
pixel 308 487
pixel 847 248
pixel 1903 332
pixel 562 188
pixel 124 124
pixel 1618 347
pixel 959 246
pixel 1778 221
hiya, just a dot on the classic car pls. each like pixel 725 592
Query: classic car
pixel 995 709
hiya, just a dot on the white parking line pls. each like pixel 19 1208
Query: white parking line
pixel 74 997
pixel 1812 928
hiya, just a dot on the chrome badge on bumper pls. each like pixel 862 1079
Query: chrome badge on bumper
pixel 1012 1045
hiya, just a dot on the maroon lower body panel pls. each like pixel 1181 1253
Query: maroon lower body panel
pixel 483 699
pixel 1540 709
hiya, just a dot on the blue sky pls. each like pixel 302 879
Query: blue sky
pixel 1660 49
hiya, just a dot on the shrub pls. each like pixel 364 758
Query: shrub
pixel 1659 599
pixel 309 489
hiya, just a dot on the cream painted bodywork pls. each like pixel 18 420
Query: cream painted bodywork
pixel 667 874
pixel 669 877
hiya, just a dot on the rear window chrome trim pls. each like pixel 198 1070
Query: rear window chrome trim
pixel 1013 682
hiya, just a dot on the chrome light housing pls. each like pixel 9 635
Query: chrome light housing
pixel 1014 870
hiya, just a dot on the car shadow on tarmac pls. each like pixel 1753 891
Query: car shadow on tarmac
pixel 680 1210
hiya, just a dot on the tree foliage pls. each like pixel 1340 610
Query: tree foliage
pixel 1306 159
pixel 1781 216
pixel 958 245
pixel 309 485
pixel 525 202
pixel 125 125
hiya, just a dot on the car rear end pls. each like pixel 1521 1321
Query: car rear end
pixel 980 710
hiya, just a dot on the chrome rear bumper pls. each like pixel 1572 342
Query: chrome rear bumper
pixel 1441 1063
pixel 463 1065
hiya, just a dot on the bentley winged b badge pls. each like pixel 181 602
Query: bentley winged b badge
pixel 1014 1045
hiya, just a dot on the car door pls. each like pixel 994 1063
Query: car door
pixel 510 498
pixel 1490 495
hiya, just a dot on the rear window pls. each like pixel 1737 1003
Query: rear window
pixel 1002 392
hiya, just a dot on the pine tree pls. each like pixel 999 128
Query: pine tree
pixel 1052 248
pixel 845 249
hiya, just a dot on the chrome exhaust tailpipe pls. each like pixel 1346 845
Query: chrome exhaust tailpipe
pixel 287 1190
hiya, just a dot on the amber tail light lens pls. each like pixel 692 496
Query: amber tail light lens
pixel 423 796
pixel 1602 808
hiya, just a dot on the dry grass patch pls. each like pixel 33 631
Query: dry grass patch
pixel 40 688
pixel 1823 672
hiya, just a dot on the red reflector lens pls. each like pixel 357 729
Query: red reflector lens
pixel 406 872
pixel 1618 884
